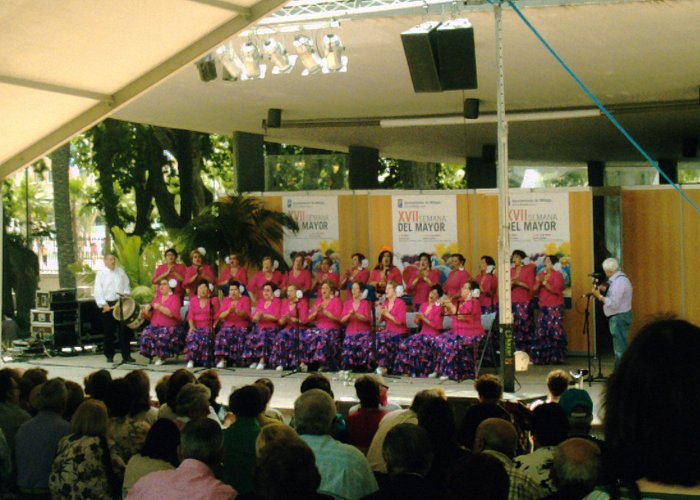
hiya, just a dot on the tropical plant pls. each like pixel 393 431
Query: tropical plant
pixel 138 262
pixel 240 224
pixel 20 279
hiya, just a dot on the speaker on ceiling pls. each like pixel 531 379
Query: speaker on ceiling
pixel 420 47
pixel 471 109
pixel 274 118
pixel 690 147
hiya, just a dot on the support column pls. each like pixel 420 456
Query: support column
pixel 248 162
pixel 363 167
pixel 670 168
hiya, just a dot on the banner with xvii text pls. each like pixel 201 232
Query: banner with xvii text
pixel 539 226
pixel 424 223
pixel 318 234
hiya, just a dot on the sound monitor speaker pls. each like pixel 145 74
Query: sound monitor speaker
pixel 274 118
pixel 456 55
pixel 471 109
pixel 420 47
pixel 690 147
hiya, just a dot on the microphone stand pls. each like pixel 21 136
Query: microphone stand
pixel 297 340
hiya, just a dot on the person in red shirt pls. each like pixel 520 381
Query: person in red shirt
pixel 549 344
pixel 522 280
pixel 362 425
pixel 325 274
pixel 170 269
pixel 384 272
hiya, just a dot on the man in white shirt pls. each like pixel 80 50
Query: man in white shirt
pixel 110 284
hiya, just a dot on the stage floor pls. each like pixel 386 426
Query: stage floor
pixel 529 385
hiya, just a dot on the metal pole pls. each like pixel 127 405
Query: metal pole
pixel 505 314
pixel 2 270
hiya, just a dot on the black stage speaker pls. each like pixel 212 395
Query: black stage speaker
pixel 471 109
pixel 690 147
pixel 420 47
pixel 456 55
pixel 274 118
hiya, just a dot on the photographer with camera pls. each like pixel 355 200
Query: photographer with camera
pixel 617 305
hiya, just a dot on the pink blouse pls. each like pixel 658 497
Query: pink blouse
pixel 421 291
pixel 206 273
pixel 361 276
pixel 233 319
pixel 434 325
pixel 202 316
pixel 335 307
pixel 330 277
pixel 470 325
pixel 377 276
pixel 398 311
pixel 300 312
pixel 556 283
pixel 302 281
pixel 241 276
pixel 520 295
pixel 356 325
pixel 162 269
pixel 488 284
pixel 259 279
pixel 272 308
pixel 172 302
pixel 454 283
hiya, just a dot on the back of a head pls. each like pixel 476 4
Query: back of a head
pixel 90 419
pixel 578 407
pixel 489 387
pixel 7 384
pixel 162 441
pixel 426 394
pixel 141 385
pixel 498 435
pixel 246 401
pixel 652 406
pixel 473 417
pixel 267 383
pixel 274 432
pixel 317 381
pixel 407 450
pixel 438 419
pixel 211 380
pixel 550 424
pixel 53 396
pixel 367 391
pixel 202 439
pixel 177 380
pixel 193 401
pixel 286 470
pixel 314 413
pixel 76 396
pixel 576 463
pixel 557 382
pixel 96 384
pixel 477 476
pixel 119 398
pixel 36 376
pixel 162 389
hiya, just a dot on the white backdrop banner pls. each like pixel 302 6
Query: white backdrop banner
pixel 317 217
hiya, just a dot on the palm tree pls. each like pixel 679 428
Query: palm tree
pixel 239 224
pixel 65 238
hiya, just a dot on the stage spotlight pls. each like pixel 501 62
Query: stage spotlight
pixel 207 68
pixel 251 60
pixel 283 63
pixel 233 67
pixel 305 48
pixel 335 61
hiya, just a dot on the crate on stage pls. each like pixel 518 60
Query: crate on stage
pixel 43 300
pixel 56 318
pixel 41 331
pixel 56 299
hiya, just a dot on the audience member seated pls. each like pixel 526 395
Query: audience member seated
pixel 127 433
pixel 437 418
pixel 37 439
pixel 96 384
pixel 192 403
pixel 578 407
pixel 362 425
pixel 384 403
pixel 479 476
pixel 141 410
pixel 162 391
pixel 86 466
pixel 159 452
pixel 31 378
pixel 176 382
pixel 11 415
pixel 652 410
pixel 273 433
pixel 557 383
pixel 345 472
pixel 246 403
pixel 408 416
pixel 490 391
pixel 5 467
pixel 320 381
pixel 210 379
pixel 549 428
pixel 498 438
pixel 201 448
pixel 575 469
pixel 408 455
pixel 270 413
pixel 76 396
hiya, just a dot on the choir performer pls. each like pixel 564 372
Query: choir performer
pixel 357 272
pixel 393 313
pixel 258 344
pixel 286 346
pixel 357 350
pixel 170 269
pixel 384 271
pixel 522 280
pixel 321 343
pixel 198 272
pixel 267 274
pixel 488 284
pixel 233 271
pixel 420 283
pixel 457 277
pixel 549 343
pixel 298 276
pixel 234 318
pixel 325 274
pixel 204 309
pixel 164 337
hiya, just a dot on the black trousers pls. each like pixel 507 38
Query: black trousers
pixel 111 329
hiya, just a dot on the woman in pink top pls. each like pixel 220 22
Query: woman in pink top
pixel 198 272
pixel 416 354
pixel 357 272
pixel 298 276
pixel 457 277
pixel 393 313
pixel 170 270
pixel 199 349
pixel 358 351
pixel 455 351
pixel 325 274
pixel 235 325
pixel 258 344
pixel 233 271
pixel 384 272
pixel 522 280
pixel 488 284
pixel 294 315
pixel 419 286
pixel 268 274
pixel 549 344
pixel 321 343
pixel 164 337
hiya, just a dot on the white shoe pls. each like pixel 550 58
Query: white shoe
pixel 159 362
pixel 221 364
pixel 303 368
pixel 279 368
pixel 190 365
pixel 444 377
pixel 260 366
pixel 433 375
pixel 253 366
